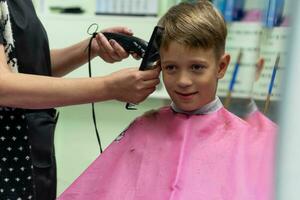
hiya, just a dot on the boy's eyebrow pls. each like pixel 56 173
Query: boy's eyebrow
pixel 168 62
pixel 202 61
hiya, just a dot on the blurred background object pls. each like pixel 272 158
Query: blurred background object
pixel 288 162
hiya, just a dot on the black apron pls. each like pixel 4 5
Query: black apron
pixel 33 57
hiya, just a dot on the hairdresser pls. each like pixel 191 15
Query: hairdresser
pixel 31 85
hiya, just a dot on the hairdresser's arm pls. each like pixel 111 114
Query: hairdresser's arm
pixel 36 92
pixel 67 59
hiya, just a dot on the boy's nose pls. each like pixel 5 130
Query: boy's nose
pixel 184 80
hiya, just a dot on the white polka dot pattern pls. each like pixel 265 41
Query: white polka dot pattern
pixel 15 162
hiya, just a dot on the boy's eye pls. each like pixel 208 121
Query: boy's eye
pixel 170 68
pixel 197 67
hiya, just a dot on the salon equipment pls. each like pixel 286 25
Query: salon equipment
pixel 152 51
pixel 271 85
pixel 70 10
pixel 131 44
pixel 151 54
pixel 148 51
pixel 273 13
pixel 233 79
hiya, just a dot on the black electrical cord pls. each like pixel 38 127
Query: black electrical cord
pixel 94 34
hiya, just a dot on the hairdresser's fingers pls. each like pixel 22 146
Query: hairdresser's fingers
pixel 135 56
pixel 151 74
pixel 150 91
pixel 106 47
pixel 123 30
pixel 151 83
pixel 141 96
pixel 146 93
pixel 129 85
pixel 119 29
pixel 119 50
pixel 106 57
pixel 102 52
pixel 137 95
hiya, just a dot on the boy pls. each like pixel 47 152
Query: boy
pixel 191 150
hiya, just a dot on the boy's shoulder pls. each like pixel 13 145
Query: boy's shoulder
pixel 163 119
pixel 147 121
pixel 233 120
pixel 151 115
pixel 154 114
pixel 164 112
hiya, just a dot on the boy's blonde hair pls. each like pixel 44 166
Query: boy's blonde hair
pixel 195 25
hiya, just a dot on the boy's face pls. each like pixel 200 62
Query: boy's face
pixel 191 75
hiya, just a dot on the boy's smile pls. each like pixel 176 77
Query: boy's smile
pixel 191 75
pixel 186 96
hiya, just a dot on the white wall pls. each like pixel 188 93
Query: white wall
pixel 289 138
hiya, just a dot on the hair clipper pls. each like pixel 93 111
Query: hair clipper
pixel 148 51
pixel 131 44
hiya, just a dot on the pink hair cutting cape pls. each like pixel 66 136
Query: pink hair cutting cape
pixel 262 150
pixel 173 156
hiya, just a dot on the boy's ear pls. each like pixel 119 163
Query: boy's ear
pixel 158 64
pixel 223 64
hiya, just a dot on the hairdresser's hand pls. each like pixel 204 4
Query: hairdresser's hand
pixel 133 86
pixel 110 51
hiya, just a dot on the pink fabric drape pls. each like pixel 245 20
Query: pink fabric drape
pixel 172 156
pixel 261 160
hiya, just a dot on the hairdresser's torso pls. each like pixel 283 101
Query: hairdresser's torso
pixel 33 57
pixel 31 42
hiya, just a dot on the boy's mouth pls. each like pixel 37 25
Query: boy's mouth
pixel 185 95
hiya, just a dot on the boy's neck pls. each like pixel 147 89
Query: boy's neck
pixel 211 107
